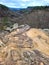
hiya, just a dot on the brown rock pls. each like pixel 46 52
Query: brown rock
pixel 28 48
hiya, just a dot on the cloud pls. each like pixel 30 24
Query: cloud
pixel 25 0
pixel 24 3
pixel 46 0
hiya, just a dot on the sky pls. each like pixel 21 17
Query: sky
pixel 24 3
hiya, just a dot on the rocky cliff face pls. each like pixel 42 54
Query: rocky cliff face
pixel 27 46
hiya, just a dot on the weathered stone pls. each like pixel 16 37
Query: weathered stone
pixel 31 47
pixel 15 26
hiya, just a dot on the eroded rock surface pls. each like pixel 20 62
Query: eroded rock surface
pixel 30 47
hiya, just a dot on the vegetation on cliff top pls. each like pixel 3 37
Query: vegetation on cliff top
pixel 3 7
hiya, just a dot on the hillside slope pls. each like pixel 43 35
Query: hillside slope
pixel 36 18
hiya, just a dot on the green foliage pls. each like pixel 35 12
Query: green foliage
pixel 4 23
pixel 3 7
pixel 38 7
pixel 3 27
pixel 41 7
pixel 5 20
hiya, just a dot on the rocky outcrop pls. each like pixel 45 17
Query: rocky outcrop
pixel 30 47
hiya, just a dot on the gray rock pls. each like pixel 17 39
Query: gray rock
pixel 15 26
pixel 23 28
pixel 8 29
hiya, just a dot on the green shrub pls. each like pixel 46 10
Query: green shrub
pixel 4 23
pixel 5 20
